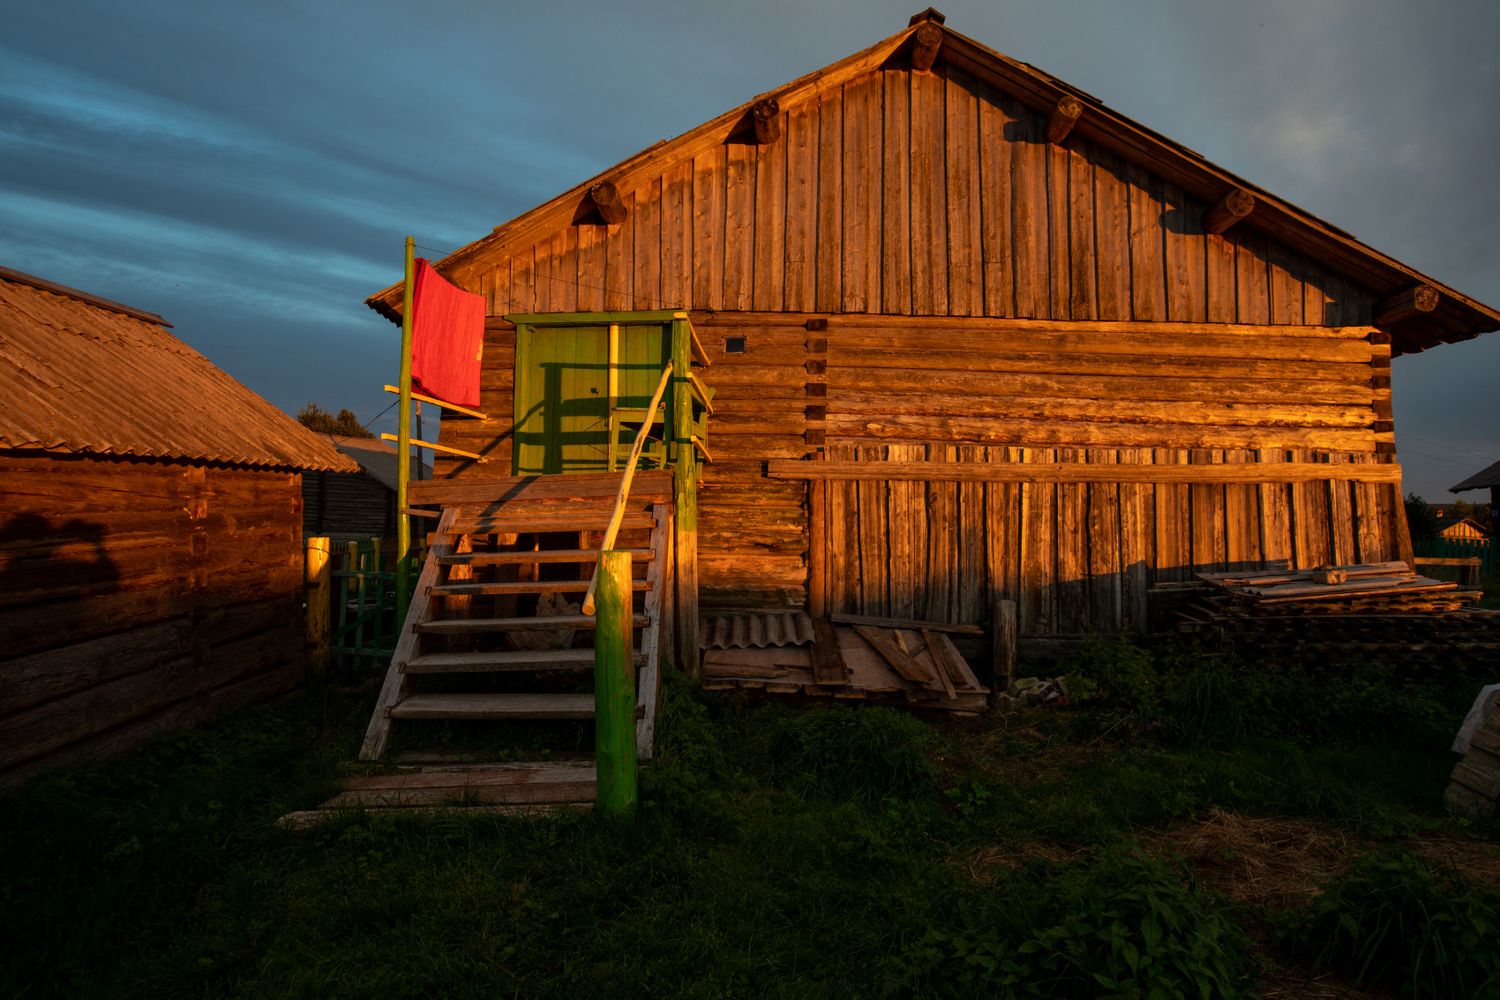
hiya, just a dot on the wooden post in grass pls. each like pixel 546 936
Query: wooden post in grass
pixel 319 578
pixel 614 687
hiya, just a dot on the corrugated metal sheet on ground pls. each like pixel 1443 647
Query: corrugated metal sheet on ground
pixel 76 377
pixel 755 629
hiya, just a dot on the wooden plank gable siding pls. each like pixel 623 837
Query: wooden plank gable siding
pixel 919 194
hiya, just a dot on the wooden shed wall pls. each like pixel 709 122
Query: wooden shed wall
pixel 137 597
pixel 875 388
pixel 347 504
pixel 932 195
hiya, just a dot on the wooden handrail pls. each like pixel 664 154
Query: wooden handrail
pixel 625 481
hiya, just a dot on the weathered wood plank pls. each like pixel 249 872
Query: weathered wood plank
pixel 861 244
pixel 965 254
pixel 829 293
pixel 739 225
pixel 995 204
pixel 710 176
pixel 895 250
pixel 800 285
pixel 929 216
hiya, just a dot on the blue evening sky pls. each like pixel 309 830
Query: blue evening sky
pixel 248 170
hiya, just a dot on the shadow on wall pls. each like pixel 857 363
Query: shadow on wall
pixel 41 558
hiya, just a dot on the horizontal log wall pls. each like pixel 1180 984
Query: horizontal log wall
pixel 1190 385
pixel 921 194
pixel 137 596
pixel 347 504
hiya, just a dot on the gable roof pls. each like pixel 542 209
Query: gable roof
pixel 1455 317
pixel 1488 476
pixel 87 375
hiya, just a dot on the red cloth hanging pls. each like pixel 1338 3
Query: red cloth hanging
pixel 447 338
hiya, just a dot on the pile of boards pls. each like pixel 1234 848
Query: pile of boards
pixel 1377 609
pixel 1390 588
pixel 905 663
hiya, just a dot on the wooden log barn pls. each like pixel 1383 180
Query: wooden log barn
pixel 960 335
pixel 355 505
pixel 150 531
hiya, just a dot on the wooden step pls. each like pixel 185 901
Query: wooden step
pixel 494 706
pixel 459 626
pixel 500 525
pixel 502 660
pixel 520 587
pixel 540 556
pixel 475 784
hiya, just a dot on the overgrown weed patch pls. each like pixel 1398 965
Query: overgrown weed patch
pixel 765 834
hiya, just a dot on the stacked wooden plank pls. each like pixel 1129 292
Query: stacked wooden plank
pixel 1375 610
pixel 904 663
pixel 1474 788
pixel 1389 587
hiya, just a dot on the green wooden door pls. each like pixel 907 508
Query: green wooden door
pixel 562 392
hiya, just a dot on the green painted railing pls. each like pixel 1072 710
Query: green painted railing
pixel 363 619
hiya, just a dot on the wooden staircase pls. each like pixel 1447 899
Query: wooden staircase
pixel 497 603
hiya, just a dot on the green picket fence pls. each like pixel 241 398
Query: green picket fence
pixel 363 619
pixel 1461 548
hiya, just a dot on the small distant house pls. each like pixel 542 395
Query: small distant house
pixel 150 530
pixel 361 504
pixel 1486 478
pixel 1465 529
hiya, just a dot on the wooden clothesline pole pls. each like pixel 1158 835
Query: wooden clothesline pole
pixel 403 441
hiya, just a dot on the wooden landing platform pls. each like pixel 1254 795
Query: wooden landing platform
pixel 537 788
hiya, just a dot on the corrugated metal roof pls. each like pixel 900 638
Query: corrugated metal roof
pixel 1488 476
pixel 378 459
pixel 78 374
pixel 757 629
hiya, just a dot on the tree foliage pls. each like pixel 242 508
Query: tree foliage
pixel 342 424
pixel 1421 519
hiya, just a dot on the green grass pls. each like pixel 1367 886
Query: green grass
pixel 778 851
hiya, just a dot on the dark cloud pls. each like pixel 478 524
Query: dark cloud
pixel 248 170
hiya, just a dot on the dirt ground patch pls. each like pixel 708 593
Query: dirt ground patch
pixel 1275 863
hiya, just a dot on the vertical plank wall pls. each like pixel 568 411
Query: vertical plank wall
pixel 918 194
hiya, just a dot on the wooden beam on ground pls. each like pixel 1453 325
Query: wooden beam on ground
pixel 1079 472
pixel 827 660
pixel 925 44
pixel 765 121
pixel 900 661
pixel 1230 209
pixel 946 672
pixel 606 201
pixel 1065 115
pixel 1410 304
